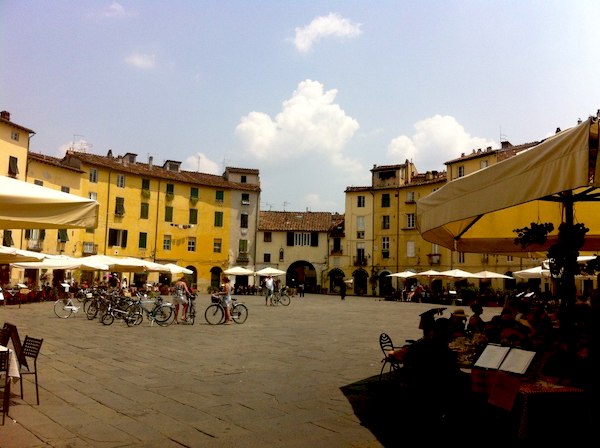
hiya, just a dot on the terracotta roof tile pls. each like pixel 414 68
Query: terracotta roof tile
pixel 295 221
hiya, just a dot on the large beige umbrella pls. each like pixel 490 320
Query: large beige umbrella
pixel 403 274
pixel 490 274
pixel 535 272
pixel 12 255
pixel 238 270
pixel 555 181
pixel 67 263
pixel 270 271
pixel 120 264
pixel 457 273
pixel 176 269
pixel 24 205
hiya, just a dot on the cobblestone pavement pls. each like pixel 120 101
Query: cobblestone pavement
pixel 276 380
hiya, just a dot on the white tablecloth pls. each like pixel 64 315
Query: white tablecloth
pixel 13 365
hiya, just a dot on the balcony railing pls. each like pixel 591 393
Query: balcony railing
pixel 337 252
pixel 359 261
pixel 434 259
pixel 242 258
pixel 35 245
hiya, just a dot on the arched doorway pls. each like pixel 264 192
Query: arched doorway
pixel 302 271
pixel 336 276
pixel 385 284
pixel 361 282
pixel 215 277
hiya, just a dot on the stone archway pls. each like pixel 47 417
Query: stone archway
pixel 385 283
pixel 336 276
pixel 302 272
pixel 361 282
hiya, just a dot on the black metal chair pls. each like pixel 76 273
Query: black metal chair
pixel 4 382
pixel 31 349
pixel 387 347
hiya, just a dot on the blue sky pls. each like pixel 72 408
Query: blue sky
pixel 311 93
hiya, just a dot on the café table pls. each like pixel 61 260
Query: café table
pixel 13 373
pixel 13 365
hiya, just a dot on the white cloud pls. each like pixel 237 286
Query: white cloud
pixel 201 163
pixel 144 61
pixel 322 27
pixel 310 126
pixel 437 140
pixel 114 11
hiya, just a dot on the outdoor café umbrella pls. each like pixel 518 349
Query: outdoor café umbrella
pixel 457 273
pixel 535 272
pixel 556 181
pixel 403 274
pixel 63 262
pixel 24 205
pixel 270 271
pixel 12 254
pixel 490 274
pixel 238 270
pixel 176 269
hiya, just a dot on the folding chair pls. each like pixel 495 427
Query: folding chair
pixel 31 349
pixel 385 342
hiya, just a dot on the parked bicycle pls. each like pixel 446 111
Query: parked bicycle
pixel 282 296
pixel 190 315
pixel 122 308
pixel 155 310
pixel 215 312
pixel 65 308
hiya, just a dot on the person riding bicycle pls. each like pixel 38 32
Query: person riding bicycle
pixel 269 284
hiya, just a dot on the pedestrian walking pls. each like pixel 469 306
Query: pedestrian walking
pixel 343 290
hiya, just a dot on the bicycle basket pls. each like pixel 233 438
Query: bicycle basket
pixel 215 298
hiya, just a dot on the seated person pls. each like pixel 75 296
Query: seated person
pixel 457 323
pixel 476 324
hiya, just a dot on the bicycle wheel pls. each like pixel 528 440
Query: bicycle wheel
pixel 61 310
pixel 133 318
pixel 164 315
pixel 239 313
pixel 214 314
pixel 191 317
pixel 92 310
pixel 107 318
pixel 284 300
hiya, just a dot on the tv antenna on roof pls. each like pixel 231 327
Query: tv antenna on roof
pixel 284 204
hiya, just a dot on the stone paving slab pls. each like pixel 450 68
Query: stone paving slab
pixel 275 380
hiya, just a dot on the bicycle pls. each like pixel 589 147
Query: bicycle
pixel 190 315
pixel 282 297
pixel 122 308
pixel 163 313
pixel 215 312
pixel 64 307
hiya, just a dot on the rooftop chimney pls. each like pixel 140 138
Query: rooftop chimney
pixel 150 160
pixel 5 115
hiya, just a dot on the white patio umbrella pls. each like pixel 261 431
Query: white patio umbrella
pixel 403 274
pixel 457 273
pixel 12 255
pixel 536 272
pixel 270 271
pixel 120 264
pixel 176 269
pixel 490 274
pixel 68 263
pixel 238 270
pixel 429 273
pixel 24 205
